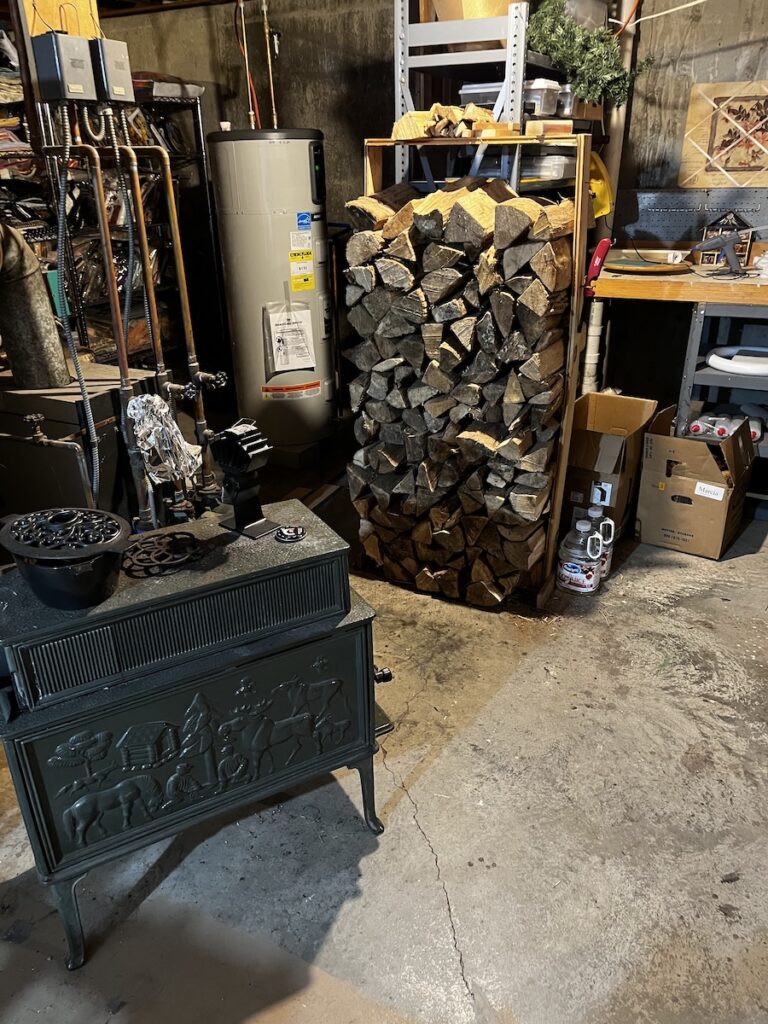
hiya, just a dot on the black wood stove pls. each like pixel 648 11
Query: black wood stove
pixel 223 669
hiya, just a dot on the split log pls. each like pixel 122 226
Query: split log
pixel 432 335
pixel 364 356
pixel 363 246
pixel 431 213
pixel 451 310
pixel 553 265
pixel 379 302
pixel 485 332
pixel 395 274
pixel 436 378
pixel 439 284
pixel 470 222
pixel 402 247
pixel 513 220
pixel 464 332
pixel 353 293
pixel 400 221
pixel 364 277
pixel 555 221
pixel 412 349
pixel 369 213
pixel 487 270
pixel 471 293
pixel 412 307
pixel 528 502
pixel 543 364
pixel 361 320
pixel 503 308
pixel 437 256
pixel 517 256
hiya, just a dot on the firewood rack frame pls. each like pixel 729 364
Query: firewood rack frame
pixel 373 181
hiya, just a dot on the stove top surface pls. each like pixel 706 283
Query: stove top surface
pixel 219 558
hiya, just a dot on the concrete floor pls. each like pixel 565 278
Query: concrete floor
pixel 577 830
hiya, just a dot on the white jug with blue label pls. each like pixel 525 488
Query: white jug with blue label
pixel 578 565
pixel 606 527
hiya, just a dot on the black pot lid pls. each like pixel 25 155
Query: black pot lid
pixel 65 534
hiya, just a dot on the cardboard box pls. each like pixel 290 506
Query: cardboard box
pixel 604 458
pixel 692 491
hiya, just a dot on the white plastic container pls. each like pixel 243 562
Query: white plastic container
pixel 542 93
pixel 565 100
pixel 548 168
pixel 606 527
pixel 578 564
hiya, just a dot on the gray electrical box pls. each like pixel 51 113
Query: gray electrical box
pixel 63 66
pixel 112 69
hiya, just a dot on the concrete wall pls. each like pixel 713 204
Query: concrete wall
pixel 334 71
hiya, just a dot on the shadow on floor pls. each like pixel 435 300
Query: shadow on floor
pixel 187 938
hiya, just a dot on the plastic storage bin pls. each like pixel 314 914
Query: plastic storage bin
pixel 548 168
pixel 484 94
pixel 543 94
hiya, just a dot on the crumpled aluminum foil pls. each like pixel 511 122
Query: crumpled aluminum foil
pixel 167 456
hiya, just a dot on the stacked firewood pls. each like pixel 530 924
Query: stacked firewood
pixel 444 121
pixel 460 299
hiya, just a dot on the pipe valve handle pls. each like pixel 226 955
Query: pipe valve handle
pixel 382 675
pixel 215 381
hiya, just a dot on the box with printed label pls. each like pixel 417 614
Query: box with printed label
pixel 692 490
pixel 604 457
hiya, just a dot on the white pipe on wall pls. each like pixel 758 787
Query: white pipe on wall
pixel 590 381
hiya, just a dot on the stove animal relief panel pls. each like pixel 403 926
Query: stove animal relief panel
pixel 692 491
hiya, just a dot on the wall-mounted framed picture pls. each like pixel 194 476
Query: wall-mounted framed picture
pixel 726 136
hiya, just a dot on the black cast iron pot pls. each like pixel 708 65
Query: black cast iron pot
pixel 70 557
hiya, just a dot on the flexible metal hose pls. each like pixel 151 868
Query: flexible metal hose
pixel 61 236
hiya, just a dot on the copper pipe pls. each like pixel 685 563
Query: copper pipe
pixel 147 519
pixel 201 426
pixel 268 44
pixel 146 263
pixel 94 165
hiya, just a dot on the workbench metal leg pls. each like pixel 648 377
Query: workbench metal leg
pixel 692 353
pixel 365 768
pixel 69 912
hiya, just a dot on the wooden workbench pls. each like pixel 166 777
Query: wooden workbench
pixel 698 286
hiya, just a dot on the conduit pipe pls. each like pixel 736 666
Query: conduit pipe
pixel 591 381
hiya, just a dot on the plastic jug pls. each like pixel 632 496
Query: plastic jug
pixel 606 527
pixel 578 566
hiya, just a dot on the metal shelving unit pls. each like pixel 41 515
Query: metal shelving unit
pixel 440 38
pixel 697 375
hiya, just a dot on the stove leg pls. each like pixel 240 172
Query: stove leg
pixel 69 912
pixel 365 768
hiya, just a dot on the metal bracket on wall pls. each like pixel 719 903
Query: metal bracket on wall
pixel 444 34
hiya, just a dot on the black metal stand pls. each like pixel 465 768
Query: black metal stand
pixel 69 912
pixel 365 771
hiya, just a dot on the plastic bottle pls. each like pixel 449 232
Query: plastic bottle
pixel 578 566
pixel 606 527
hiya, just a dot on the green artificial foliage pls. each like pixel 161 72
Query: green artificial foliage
pixel 591 58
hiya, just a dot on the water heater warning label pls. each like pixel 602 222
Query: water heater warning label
pixel 302 270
